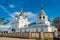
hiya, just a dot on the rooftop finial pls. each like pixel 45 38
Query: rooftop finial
pixel 41 6
pixel 21 9
pixel 21 13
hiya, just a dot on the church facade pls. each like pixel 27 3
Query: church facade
pixel 42 23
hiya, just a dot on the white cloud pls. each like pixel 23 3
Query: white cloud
pixel 13 15
pixel 5 9
pixel 11 6
pixel 30 15
pixel 16 13
pixel 5 26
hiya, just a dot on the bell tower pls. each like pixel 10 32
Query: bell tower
pixel 42 17
pixel 21 14
pixel 21 24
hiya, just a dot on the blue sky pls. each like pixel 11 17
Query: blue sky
pixel 51 7
pixel 8 8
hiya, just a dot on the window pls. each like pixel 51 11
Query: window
pixel 37 30
pixel 25 30
pixel 40 17
pixel 42 30
pixel 43 17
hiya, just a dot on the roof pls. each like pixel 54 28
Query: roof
pixel 39 24
pixel 32 23
pixel 42 12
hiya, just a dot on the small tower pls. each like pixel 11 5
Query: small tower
pixel 26 21
pixel 42 17
pixel 26 18
pixel 21 19
pixel 16 16
pixel 21 14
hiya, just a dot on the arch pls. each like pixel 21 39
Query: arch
pixel 40 17
pixel 36 30
pixel 43 17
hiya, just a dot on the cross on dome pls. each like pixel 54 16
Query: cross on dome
pixel 21 13
pixel 42 12
pixel 41 6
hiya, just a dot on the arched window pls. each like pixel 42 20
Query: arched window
pixel 25 30
pixel 40 17
pixel 20 30
pixel 37 30
pixel 42 30
pixel 43 17
pixel 29 31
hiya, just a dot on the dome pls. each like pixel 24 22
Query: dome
pixel 16 16
pixel 26 16
pixel 21 13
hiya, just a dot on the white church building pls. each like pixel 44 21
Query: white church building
pixel 42 24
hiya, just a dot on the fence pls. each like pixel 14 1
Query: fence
pixel 50 35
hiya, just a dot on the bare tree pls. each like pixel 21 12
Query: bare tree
pixel 3 21
pixel 56 22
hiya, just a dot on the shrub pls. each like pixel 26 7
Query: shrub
pixel 46 38
pixel 38 39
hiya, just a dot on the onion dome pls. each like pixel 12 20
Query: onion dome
pixel 16 16
pixel 21 13
pixel 26 16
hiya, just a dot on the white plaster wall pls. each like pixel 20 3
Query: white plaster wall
pixel 39 29
pixel 27 29
pixel 47 22
pixel 45 29
pixel 54 29
pixel 31 30
pixel 22 30
pixel 50 29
